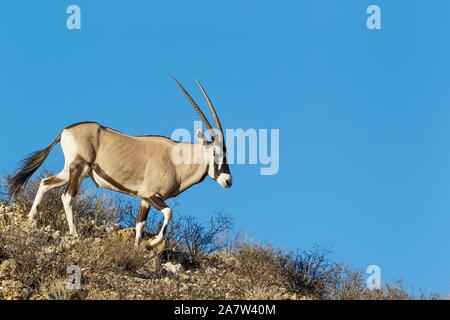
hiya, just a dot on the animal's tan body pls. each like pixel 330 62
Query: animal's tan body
pixel 142 166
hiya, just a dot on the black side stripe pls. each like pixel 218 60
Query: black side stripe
pixel 111 181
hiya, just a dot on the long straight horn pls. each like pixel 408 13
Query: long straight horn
pixel 211 107
pixel 197 109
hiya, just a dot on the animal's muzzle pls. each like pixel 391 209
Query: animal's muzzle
pixel 225 180
pixel 228 183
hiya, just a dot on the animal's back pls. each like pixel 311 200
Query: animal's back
pixel 92 139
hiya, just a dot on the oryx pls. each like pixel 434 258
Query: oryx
pixel 151 168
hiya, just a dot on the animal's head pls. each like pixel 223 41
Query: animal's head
pixel 214 149
pixel 215 154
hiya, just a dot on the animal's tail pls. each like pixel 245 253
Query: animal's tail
pixel 27 167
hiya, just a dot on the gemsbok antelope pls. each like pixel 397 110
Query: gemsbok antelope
pixel 151 168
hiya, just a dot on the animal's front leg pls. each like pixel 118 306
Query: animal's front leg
pixel 167 212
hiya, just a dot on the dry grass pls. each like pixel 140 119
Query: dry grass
pixel 213 266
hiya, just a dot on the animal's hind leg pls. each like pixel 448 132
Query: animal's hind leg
pixel 46 185
pixel 140 221
pixel 77 174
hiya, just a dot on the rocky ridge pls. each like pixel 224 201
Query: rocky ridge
pixel 34 261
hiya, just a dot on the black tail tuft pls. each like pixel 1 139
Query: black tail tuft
pixel 28 166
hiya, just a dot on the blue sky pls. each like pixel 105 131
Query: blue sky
pixel 363 115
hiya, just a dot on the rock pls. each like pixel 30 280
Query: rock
pixel 173 268
pixel 160 247
pixel 13 290
pixel 56 234
pixel 8 269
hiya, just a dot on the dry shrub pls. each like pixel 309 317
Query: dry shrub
pixel 308 274
pixel 113 269
pixel 42 261
pixel 187 233
pixel 351 286
pixel 33 267
pixel 110 256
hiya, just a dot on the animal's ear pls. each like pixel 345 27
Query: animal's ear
pixel 199 135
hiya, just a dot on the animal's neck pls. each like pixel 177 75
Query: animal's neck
pixel 195 170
